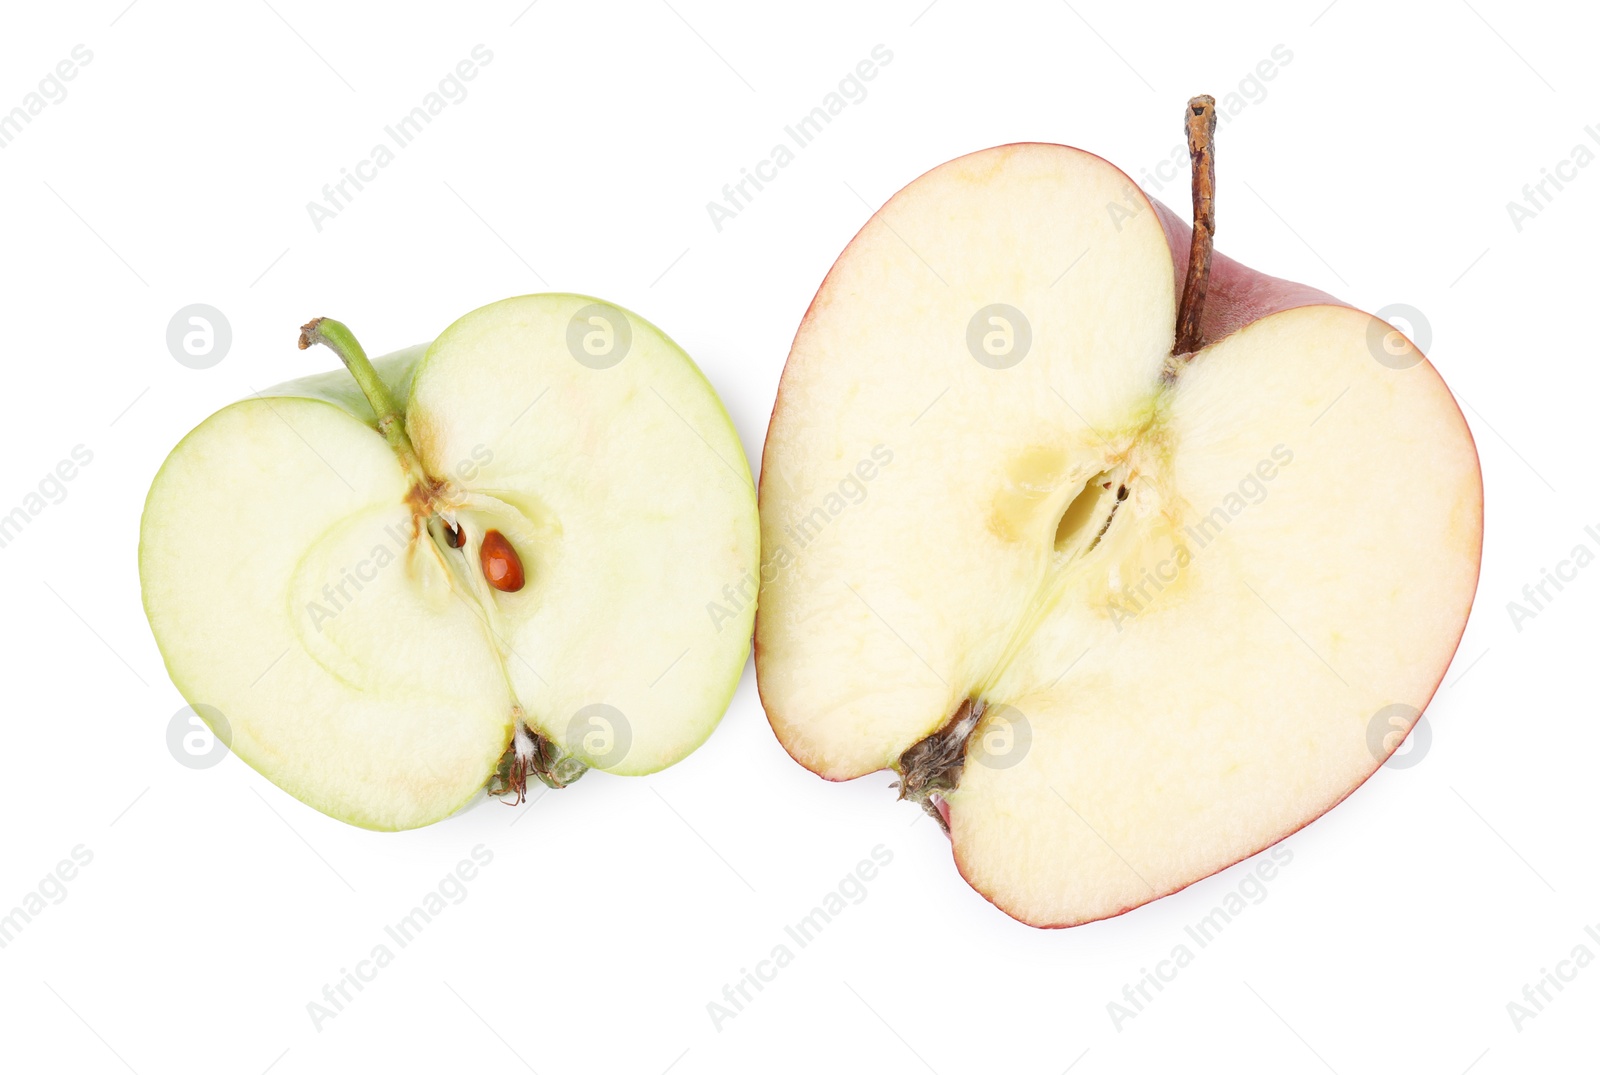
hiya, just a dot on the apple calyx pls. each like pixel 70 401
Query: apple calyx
pixel 531 753
pixel 931 768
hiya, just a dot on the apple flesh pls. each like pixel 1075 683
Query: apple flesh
pixel 1121 617
pixel 340 588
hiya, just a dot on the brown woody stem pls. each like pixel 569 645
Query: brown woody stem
pixel 1200 121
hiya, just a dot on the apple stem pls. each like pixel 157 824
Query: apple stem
pixel 338 338
pixel 1201 124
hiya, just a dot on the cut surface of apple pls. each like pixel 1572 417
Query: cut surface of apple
pixel 1124 618
pixel 523 587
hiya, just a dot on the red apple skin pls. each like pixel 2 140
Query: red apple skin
pixel 1236 296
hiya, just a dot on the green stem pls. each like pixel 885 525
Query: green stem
pixel 338 338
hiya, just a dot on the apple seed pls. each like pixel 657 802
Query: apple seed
pixel 502 567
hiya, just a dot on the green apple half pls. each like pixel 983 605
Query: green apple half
pixel 1123 617
pixel 315 567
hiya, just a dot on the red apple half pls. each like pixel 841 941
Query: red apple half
pixel 1120 618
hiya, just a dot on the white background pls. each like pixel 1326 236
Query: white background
pixel 177 170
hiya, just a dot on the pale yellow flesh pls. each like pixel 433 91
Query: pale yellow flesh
pixel 392 711
pixel 395 711
pixel 637 501
pixel 1195 686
